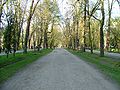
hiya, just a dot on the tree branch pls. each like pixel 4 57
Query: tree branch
pixel 96 18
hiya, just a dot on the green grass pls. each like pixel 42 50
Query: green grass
pixel 9 66
pixel 110 67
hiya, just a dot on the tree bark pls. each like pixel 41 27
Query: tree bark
pixel 101 30
pixel 89 28
pixel 27 34
pixel 77 36
pixel 90 38
pixel 109 24
pixel 45 44
pixel 84 36
pixel 32 9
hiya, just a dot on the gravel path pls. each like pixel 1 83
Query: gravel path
pixel 59 70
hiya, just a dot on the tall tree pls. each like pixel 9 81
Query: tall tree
pixel 110 6
pixel 32 10
pixel 101 29
pixel 2 3
pixel 8 33
pixel 90 14
pixel 84 45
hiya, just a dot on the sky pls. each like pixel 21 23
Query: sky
pixel 64 7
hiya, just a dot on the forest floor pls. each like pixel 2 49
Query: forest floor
pixel 59 70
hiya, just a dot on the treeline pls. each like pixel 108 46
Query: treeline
pixel 86 27
pixel 28 24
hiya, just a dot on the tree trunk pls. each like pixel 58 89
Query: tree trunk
pixel 34 42
pixel 29 43
pixel 22 39
pixel 101 30
pixel 52 41
pixel 89 29
pixel 27 34
pixel 41 36
pixel 109 24
pixel 38 43
pixel 84 36
pixel 90 38
pixel 108 36
pixel 14 42
pixel 32 9
pixel 45 45
pixel 77 36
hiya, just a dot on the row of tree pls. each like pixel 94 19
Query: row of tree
pixel 34 24
pixel 88 28
pixel 28 24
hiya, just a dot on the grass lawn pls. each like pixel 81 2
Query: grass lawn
pixel 9 66
pixel 110 67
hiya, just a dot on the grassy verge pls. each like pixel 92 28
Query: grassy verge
pixel 9 66
pixel 108 66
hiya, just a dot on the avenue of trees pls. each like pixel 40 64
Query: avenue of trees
pixel 89 25
pixel 28 24
pixel 35 24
